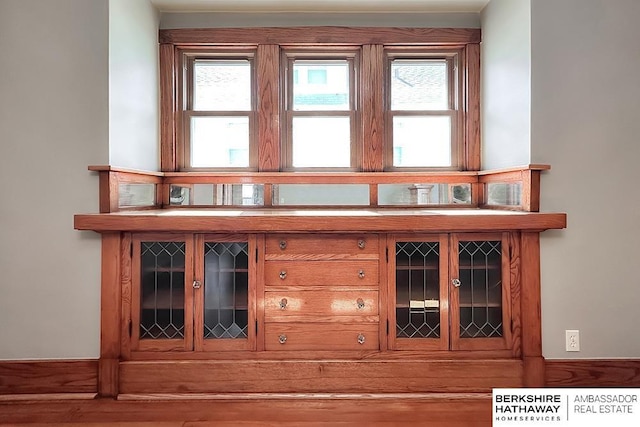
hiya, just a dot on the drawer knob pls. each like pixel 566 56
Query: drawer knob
pixel 362 243
pixel 456 283
pixel 283 303
pixel 361 274
pixel 283 244
pixel 282 339
pixel 360 302
pixel 361 339
pixel 283 274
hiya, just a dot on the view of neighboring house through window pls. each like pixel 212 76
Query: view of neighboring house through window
pixel 319 110
pixel 220 119
pixel 298 107
pixel 421 111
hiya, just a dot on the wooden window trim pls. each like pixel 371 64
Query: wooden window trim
pixel 267 42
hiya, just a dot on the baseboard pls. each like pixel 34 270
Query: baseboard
pixel 593 373
pixel 48 376
pixel 81 376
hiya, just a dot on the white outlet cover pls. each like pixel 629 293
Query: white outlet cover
pixel 572 340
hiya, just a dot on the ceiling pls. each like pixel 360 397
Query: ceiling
pixel 342 6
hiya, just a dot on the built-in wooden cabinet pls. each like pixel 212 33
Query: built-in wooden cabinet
pixel 192 292
pixel 453 291
pixel 292 292
pixel 324 301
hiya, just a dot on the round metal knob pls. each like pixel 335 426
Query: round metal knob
pixel 360 339
pixel 361 243
pixel 282 339
pixel 360 303
pixel 283 274
pixel 283 303
pixel 456 283
pixel 361 274
pixel 283 244
pixel 196 284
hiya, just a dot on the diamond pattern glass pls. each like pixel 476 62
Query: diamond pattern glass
pixel 481 289
pixel 226 285
pixel 162 290
pixel 417 290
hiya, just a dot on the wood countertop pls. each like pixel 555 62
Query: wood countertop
pixel 320 220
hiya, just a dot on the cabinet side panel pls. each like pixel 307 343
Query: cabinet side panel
pixel 109 316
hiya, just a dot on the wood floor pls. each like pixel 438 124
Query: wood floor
pixel 450 410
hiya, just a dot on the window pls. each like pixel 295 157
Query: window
pixel 423 115
pixel 320 111
pixel 218 118
pixel 300 99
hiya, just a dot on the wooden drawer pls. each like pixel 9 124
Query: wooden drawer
pixel 331 303
pixel 361 274
pixel 321 336
pixel 321 246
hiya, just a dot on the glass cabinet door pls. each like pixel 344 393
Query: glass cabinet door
pixel 480 292
pixel 224 313
pixel 417 286
pixel 161 319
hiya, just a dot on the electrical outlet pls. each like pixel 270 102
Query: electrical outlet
pixel 572 340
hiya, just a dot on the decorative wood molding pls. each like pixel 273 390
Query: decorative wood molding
pixel 320 35
pixel 593 373
pixel 59 378
pixel 48 376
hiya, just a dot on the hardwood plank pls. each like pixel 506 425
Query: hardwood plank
pixel 321 35
pixel 345 220
pixel 593 373
pixel 110 306
pixel 466 410
pixel 48 376
pixel 314 376
pixel 167 108
pixel 531 309
pixel 472 107
pixel 372 123
pixel 268 69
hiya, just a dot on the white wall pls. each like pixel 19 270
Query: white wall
pixel 283 19
pixel 585 122
pixel 53 124
pixel 133 85
pixel 506 83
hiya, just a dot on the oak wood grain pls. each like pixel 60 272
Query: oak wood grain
pixel 167 108
pixel 375 410
pixel 48 376
pixel 592 373
pixel 319 376
pixel 320 35
pixel 272 220
pixel 268 70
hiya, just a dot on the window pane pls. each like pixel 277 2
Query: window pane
pixel 320 194
pixel 507 194
pixel 424 194
pixel 419 85
pixel 421 141
pixel 222 85
pixel 321 142
pixel 321 86
pixel 219 141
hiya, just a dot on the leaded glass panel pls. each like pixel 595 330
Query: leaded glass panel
pixel 162 290
pixel 480 292
pixel 417 290
pixel 226 284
